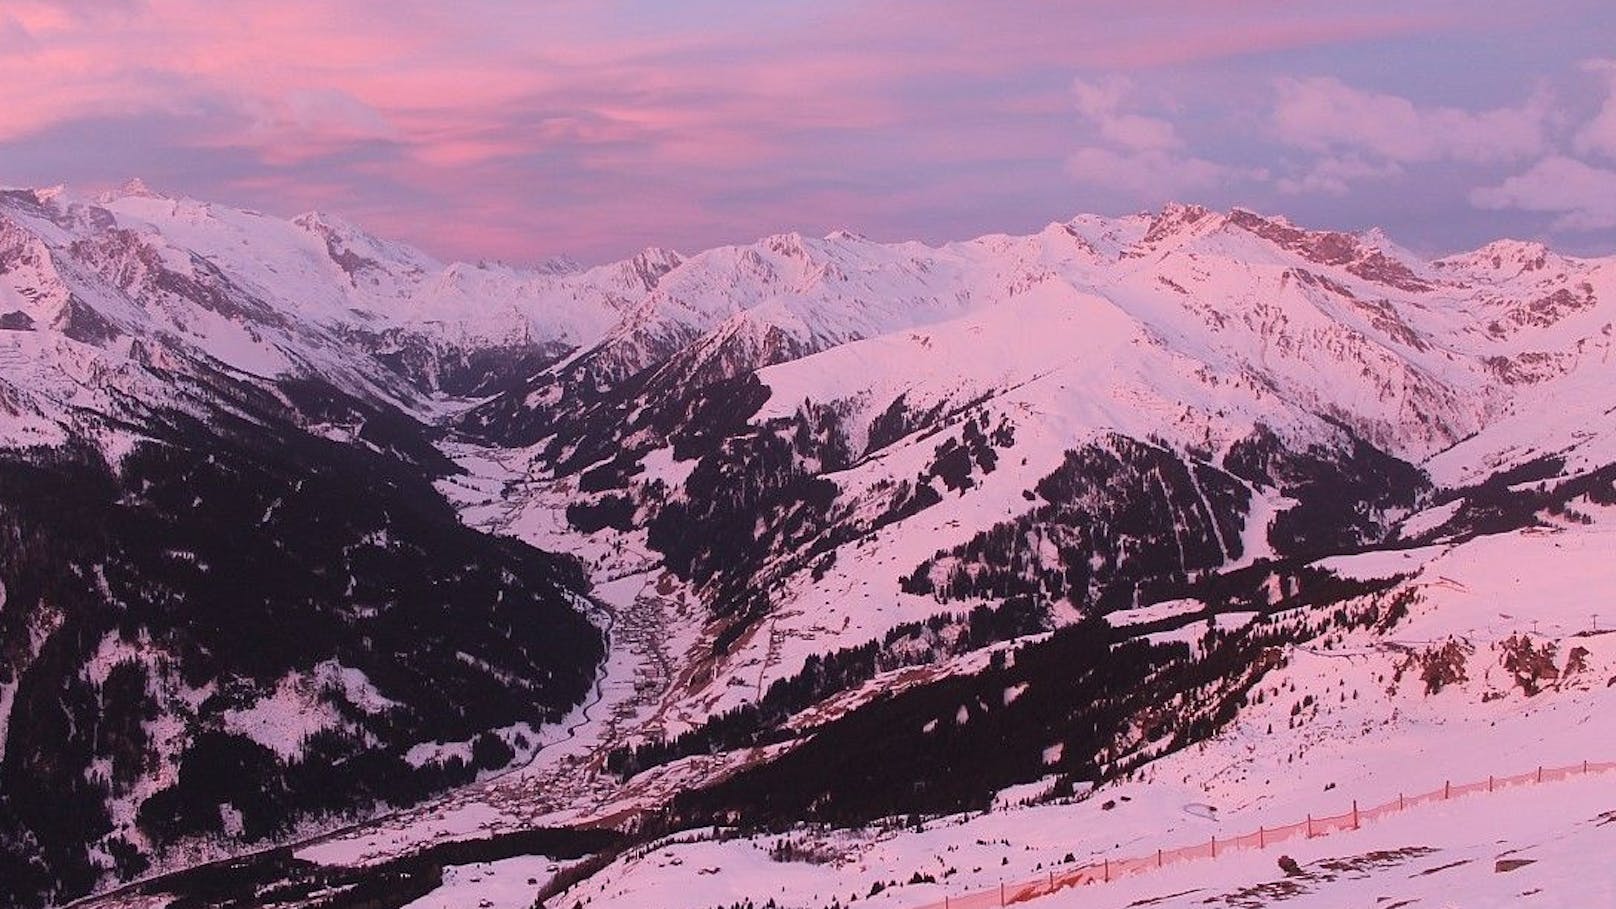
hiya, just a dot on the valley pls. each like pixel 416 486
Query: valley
pixel 826 564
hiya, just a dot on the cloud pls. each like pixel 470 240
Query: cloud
pixel 1136 35
pixel 1584 197
pixel 1598 136
pixel 1327 116
pixel 1135 154
pixel 305 124
pixel 15 39
pixel 1333 175
pixel 1100 103
pixel 1151 176
pixel 513 128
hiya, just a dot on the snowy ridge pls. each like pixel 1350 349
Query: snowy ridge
pixel 1427 351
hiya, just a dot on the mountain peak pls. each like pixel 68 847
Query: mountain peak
pixel 790 244
pixel 660 256
pixel 133 188
pixel 1367 255
pixel 1525 255
pixel 651 263
pixel 324 222
pixel 1178 219
pixel 1376 237
pixel 559 265
pixel 1185 211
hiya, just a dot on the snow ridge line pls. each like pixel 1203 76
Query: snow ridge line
pixel 1107 870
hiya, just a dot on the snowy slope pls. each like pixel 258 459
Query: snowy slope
pixel 311 296
pixel 1440 855
pixel 1414 354
pixel 1367 730
pixel 210 490
pixel 327 271
pixel 1189 327
pixel 772 452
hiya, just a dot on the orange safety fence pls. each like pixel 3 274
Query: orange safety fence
pixel 1109 869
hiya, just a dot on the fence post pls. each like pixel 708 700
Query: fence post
pixel 1158 858
pixel 1214 846
pixel 1001 895
pixel 1310 826
pixel 1108 871
pixel 1584 766
pixel 1400 803
pixel 1447 790
pixel 1540 773
pixel 1051 880
pixel 1262 842
pixel 1355 814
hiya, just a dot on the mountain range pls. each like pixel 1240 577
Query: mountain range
pixel 332 555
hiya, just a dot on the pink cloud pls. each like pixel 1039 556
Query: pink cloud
pixel 1152 174
pixel 1246 29
pixel 1598 136
pixel 1100 102
pixel 304 124
pixel 1334 175
pixel 583 126
pixel 1326 115
pixel 1136 154
pixel 413 56
pixel 1584 197
pixel 299 193
pixel 1120 34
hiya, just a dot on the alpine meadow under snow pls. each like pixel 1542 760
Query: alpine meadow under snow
pixel 814 571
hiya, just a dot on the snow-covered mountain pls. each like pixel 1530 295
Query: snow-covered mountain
pixel 231 603
pixel 1306 375
pixel 824 488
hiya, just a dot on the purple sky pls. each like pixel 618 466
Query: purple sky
pixel 517 129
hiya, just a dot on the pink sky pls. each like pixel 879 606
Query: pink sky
pixel 512 129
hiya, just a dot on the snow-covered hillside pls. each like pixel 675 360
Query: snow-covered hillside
pixel 1195 330
pixel 221 537
pixel 834 497
pixel 1501 666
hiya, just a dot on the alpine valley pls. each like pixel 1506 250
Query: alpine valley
pixel 812 570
